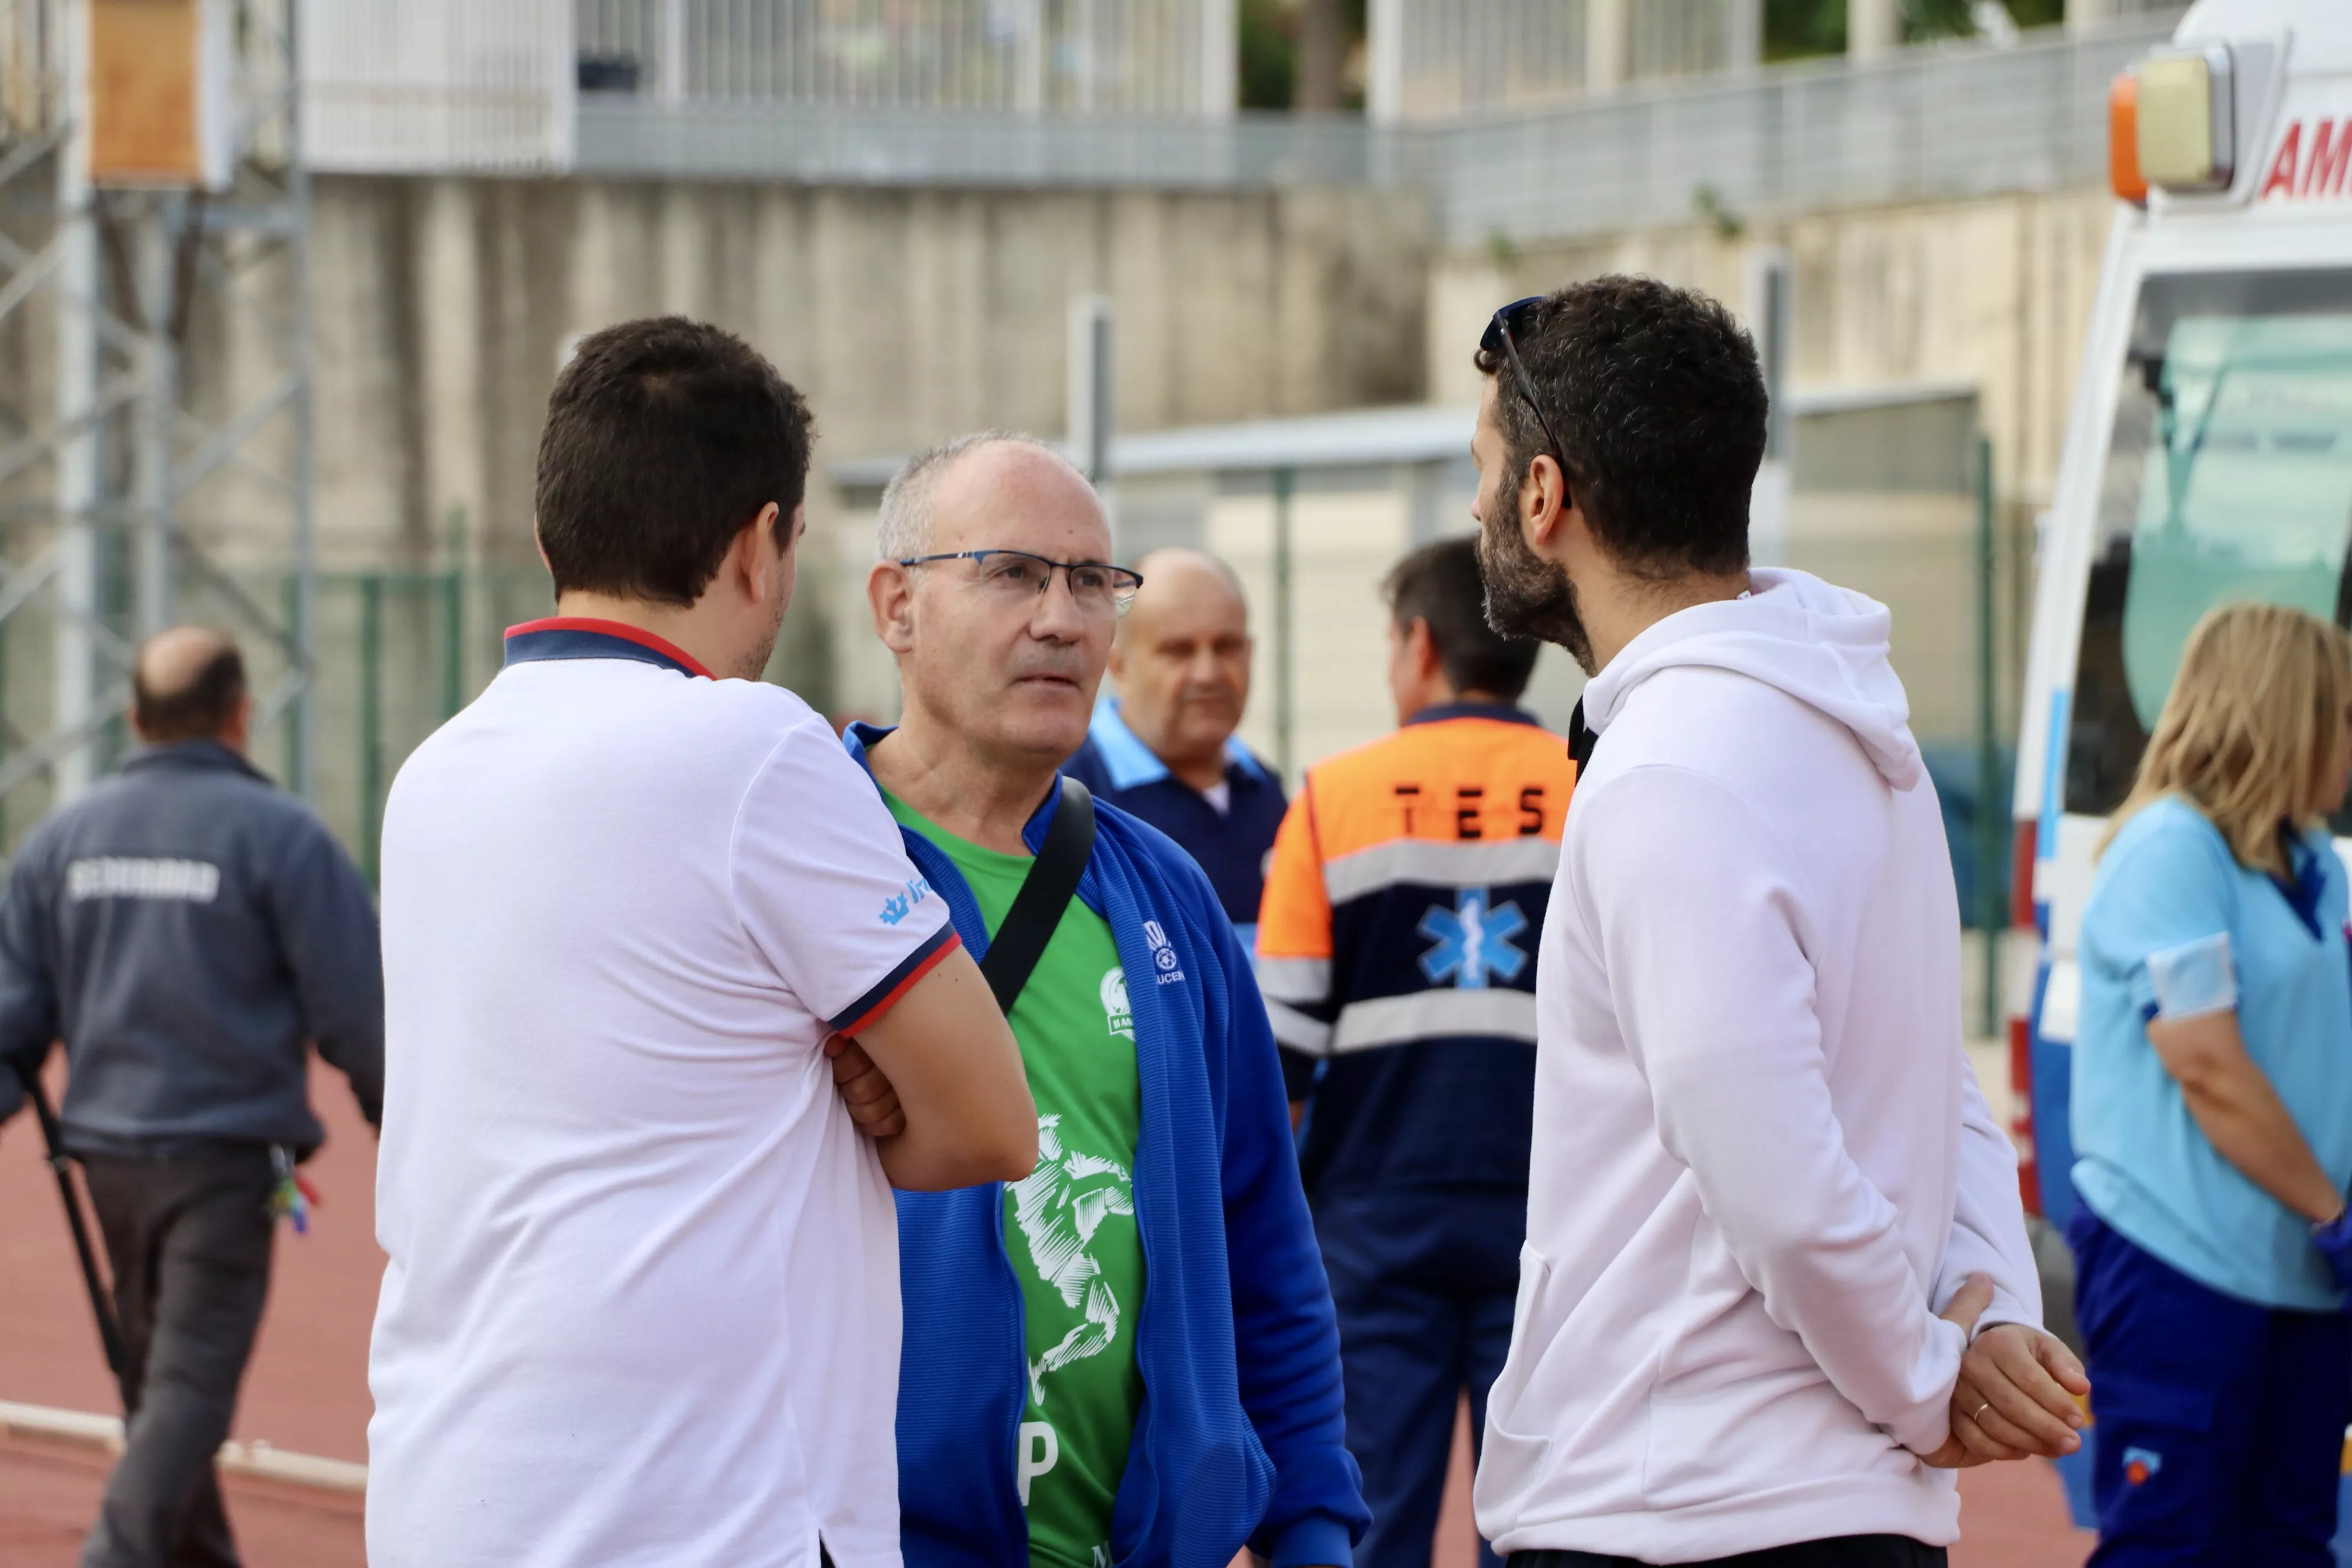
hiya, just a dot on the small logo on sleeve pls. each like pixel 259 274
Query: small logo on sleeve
pixel 2141 1463
pixel 898 906
pixel 1163 954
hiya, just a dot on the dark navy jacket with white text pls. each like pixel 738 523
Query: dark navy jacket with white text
pixel 1230 845
pixel 187 928
pixel 1241 1439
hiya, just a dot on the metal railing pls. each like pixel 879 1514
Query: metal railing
pixel 1015 56
pixel 1924 124
pixel 744 104
pixel 432 85
pixel 1438 59
pixel 1932 123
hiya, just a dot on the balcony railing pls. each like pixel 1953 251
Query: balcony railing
pixel 1924 124
pixel 1921 124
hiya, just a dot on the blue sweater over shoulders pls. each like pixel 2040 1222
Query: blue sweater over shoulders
pixel 1241 1440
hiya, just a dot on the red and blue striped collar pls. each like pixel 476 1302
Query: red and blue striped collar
pixel 582 637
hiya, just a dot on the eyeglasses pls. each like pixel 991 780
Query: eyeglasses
pixel 1015 576
pixel 1501 337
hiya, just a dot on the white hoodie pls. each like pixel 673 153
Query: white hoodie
pixel 1760 1159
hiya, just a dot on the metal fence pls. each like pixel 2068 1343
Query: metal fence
pixel 1434 60
pixel 394 654
pixel 1015 56
pixel 1924 124
pixel 429 85
pixel 1096 92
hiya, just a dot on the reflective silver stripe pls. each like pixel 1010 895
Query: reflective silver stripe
pixel 1396 1020
pixel 1480 863
pixel 1297 1030
pixel 1295 978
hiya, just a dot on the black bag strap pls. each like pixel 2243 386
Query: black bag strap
pixel 1046 892
pixel 1581 740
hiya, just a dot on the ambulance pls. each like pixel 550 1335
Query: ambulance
pixel 2208 460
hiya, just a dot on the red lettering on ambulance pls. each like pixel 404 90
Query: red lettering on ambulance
pixel 2323 172
pixel 2282 166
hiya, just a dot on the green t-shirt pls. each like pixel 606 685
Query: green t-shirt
pixel 1069 1228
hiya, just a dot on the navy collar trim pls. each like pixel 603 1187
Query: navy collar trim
pixel 583 636
pixel 1499 712
pixel 1131 764
pixel 204 752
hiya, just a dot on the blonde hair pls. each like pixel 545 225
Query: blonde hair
pixel 2250 733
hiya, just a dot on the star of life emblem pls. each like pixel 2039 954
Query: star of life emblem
pixel 1473 941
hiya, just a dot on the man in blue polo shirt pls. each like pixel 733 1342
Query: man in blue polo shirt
pixel 1166 749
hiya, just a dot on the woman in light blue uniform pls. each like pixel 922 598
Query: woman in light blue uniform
pixel 2212 1111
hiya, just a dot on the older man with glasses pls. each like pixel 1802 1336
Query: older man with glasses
pixel 1162 1241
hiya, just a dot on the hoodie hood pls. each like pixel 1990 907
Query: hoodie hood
pixel 1826 647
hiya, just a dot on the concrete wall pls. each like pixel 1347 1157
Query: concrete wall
pixel 445 306
pixel 1996 293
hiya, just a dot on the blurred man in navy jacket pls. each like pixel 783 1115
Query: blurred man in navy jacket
pixel 1166 750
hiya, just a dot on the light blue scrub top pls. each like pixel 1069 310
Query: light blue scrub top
pixel 2145 1168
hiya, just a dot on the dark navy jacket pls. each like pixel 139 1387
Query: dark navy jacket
pixel 1241 1440
pixel 187 928
pixel 1116 767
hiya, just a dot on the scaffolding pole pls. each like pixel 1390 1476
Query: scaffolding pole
pixel 113 473
pixel 74 754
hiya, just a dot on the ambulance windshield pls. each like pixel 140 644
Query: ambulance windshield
pixel 2229 478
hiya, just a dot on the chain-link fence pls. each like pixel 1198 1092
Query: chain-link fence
pixel 397 653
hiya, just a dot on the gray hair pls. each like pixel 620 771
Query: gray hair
pixel 904 528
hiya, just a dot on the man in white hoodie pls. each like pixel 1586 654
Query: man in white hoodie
pixel 1776 1282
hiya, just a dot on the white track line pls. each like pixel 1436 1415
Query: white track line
pixel 237 1458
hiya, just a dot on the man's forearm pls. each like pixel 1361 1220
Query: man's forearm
pixel 956 1070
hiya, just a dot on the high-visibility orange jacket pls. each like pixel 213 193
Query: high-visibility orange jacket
pixel 1397 940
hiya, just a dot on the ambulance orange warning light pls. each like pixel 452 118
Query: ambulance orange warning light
pixel 2123 140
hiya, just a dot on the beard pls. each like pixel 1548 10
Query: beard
pixel 1528 596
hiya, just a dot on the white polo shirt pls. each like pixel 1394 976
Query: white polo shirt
pixel 642 1303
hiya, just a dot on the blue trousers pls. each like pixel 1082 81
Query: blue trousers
pixel 2220 1432
pixel 1423 1279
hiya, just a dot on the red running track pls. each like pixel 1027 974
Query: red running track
pixel 307 1389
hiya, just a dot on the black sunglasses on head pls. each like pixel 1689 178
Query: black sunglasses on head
pixel 1501 338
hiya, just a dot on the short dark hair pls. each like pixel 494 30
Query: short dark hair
pixel 198 711
pixel 664 438
pixel 1439 584
pixel 1656 394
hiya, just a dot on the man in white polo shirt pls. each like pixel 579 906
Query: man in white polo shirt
pixel 642 1304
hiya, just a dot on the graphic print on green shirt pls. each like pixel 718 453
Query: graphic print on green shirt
pixel 1069 1227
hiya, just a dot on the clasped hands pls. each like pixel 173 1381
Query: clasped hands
pixel 2018 1393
